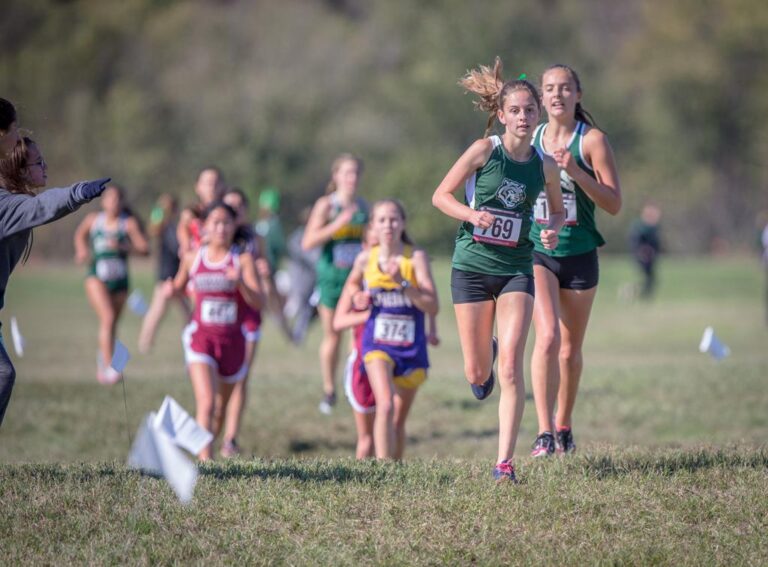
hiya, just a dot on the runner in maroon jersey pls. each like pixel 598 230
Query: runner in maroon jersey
pixel 214 344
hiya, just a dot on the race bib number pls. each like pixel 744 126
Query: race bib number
pixel 111 269
pixel 505 230
pixel 218 312
pixel 395 330
pixel 344 254
pixel 541 209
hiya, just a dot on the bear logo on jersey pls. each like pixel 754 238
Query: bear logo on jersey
pixel 566 181
pixel 511 193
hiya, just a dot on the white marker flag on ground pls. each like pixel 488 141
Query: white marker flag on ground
pixel 154 452
pixel 711 344
pixel 181 427
pixel 137 303
pixel 18 340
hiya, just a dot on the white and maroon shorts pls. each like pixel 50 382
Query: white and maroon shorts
pixel 224 353
pixel 356 385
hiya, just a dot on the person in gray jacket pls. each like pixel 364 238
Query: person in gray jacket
pixel 22 172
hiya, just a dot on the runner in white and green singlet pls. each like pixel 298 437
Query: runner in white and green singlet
pixel 104 240
pixel 566 277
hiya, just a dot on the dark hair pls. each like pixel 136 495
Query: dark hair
pixel 239 192
pixel 7 114
pixel 13 165
pixel 125 209
pixel 219 204
pixel 404 238
pixel 213 168
pixel 581 114
pixel 489 85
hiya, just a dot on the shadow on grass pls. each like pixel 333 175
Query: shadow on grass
pixel 298 446
pixel 668 464
pixel 334 471
pixel 302 446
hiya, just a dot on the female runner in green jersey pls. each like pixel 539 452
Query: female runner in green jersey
pixel 337 223
pixel 104 240
pixel 492 276
pixel 566 276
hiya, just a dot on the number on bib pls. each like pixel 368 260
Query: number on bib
pixel 344 254
pixel 395 330
pixel 541 209
pixel 111 269
pixel 505 230
pixel 218 312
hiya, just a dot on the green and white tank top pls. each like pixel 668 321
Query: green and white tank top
pixel 579 235
pixel 109 259
pixel 507 189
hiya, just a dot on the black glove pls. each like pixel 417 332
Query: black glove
pixel 88 190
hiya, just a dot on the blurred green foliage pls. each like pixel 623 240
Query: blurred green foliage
pixel 150 91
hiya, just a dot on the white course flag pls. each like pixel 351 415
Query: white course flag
pixel 181 427
pixel 18 340
pixel 712 345
pixel 154 452
pixel 137 303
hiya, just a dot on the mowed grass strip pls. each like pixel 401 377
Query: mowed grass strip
pixel 614 506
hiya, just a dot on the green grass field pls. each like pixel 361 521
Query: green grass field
pixel 672 465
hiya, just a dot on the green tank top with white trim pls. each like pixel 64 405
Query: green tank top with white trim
pixel 579 235
pixel 507 189
pixel 109 259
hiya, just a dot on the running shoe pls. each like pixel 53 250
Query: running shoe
pixel 106 374
pixel 109 376
pixel 326 406
pixel 565 442
pixel 484 390
pixel 504 472
pixel 230 449
pixel 544 446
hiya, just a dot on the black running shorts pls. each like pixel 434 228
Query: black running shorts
pixel 572 272
pixel 472 287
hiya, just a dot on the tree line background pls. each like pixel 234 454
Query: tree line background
pixel 150 91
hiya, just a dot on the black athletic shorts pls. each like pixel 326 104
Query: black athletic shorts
pixel 573 272
pixel 472 287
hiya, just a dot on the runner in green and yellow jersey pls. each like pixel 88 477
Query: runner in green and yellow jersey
pixel 337 223
pixel 492 276
pixel 566 276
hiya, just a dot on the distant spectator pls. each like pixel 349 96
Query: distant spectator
pixel 645 244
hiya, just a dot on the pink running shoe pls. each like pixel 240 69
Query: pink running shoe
pixel 504 472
